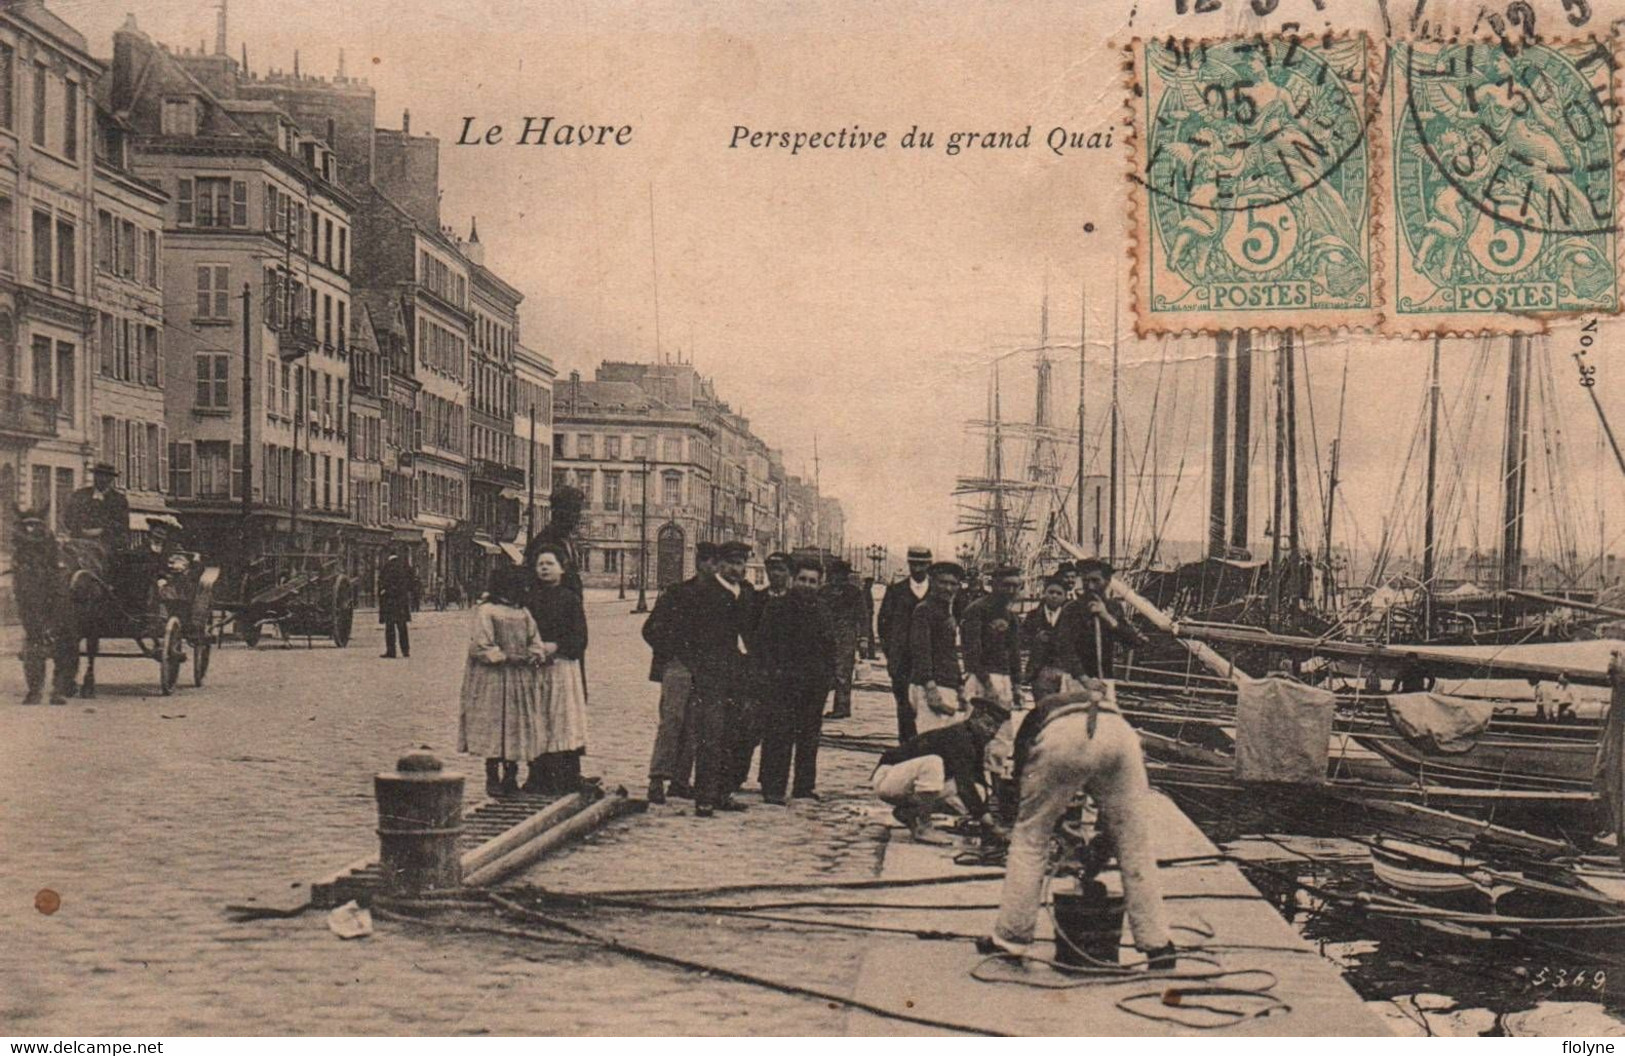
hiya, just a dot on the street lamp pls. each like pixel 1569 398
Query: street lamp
pixel 877 555
pixel 643 539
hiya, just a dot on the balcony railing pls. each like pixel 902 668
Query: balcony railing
pixel 496 473
pixel 295 334
pixel 29 415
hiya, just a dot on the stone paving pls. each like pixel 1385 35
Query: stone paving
pixel 148 814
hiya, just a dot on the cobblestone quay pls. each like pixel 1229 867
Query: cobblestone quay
pixel 148 814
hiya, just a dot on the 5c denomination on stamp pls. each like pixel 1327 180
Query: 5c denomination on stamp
pixel 1252 183
pixel 1504 185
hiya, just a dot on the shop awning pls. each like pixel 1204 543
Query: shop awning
pixel 518 494
pixel 490 548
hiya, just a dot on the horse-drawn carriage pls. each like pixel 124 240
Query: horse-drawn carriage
pixel 298 595
pixel 73 593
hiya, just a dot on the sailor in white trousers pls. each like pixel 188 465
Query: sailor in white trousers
pixel 1076 742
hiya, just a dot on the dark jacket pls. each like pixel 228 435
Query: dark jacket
pixel 795 640
pixel 933 646
pixel 960 748
pixel 110 513
pixel 848 613
pixel 896 609
pixel 1041 641
pixel 560 619
pixel 966 598
pixel 397 592
pixel 660 629
pixel 1088 646
pixel 990 635
pixel 708 635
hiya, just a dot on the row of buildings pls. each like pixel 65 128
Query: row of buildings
pixel 241 292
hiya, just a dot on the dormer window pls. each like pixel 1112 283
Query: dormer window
pixel 180 116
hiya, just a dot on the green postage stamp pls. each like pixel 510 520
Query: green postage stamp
pixel 1253 177
pixel 1503 185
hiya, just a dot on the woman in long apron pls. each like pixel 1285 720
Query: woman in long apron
pixel 562 698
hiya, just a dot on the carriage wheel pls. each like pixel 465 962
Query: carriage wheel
pixel 200 660
pixel 169 665
pixel 343 610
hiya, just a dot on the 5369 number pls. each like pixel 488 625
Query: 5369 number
pixel 1595 979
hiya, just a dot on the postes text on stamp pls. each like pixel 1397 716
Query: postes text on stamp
pixel 1252 183
pixel 1503 185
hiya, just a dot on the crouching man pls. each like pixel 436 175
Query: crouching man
pixel 1079 742
pixel 928 772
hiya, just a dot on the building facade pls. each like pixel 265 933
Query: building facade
pixel 533 431
pixel 496 463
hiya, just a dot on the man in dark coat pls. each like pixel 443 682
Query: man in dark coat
pixel 936 678
pixel 795 646
pixel 849 616
pixel 1040 635
pixel 710 642
pixel 1094 626
pixel 100 513
pixel 672 758
pixel 566 504
pixel 896 611
pixel 397 595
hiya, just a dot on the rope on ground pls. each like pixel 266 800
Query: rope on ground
pixel 812 885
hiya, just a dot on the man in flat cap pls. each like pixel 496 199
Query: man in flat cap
pixel 672 758
pixel 1094 626
pixel 795 646
pixel 936 679
pixel 895 622
pixel 710 642
pixel 778 576
pixel 1040 632
pixel 849 615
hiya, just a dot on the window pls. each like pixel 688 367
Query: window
pixel 70 119
pixel 41 481
pixel 126 249
pixel 180 470
pixel 39 104
pixel 640 447
pixel 213 469
pixel 239 203
pixel 674 448
pixel 109 449
pixel 612 560
pixel 8 86
pixel 42 367
pixel 152 361
pixel 287 390
pixel 179 117
pixel 66 405
pixel 612 491
pixel 104 240
pixel 8 238
pixel 671 488
pixel 42 247
pixel 184 209
pixel 612 448
pixel 152 459
pixel 344 249
pixel 66 259
pixel 327 228
pixel 344 327
pixel 558 445
pixel 213 295
pixel 213 201
pixel 104 342
pixel 64 487
pixel 149 258
pixel 585 445
pixel 213 381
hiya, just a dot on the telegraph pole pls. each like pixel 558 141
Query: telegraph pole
pixel 530 476
pixel 248 403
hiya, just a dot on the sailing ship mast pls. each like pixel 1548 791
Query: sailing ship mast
pixel 1428 556
pixel 1514 460
pixel 1218 452
pixel 1111 531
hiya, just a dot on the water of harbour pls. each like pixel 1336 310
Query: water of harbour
pixel 1424 981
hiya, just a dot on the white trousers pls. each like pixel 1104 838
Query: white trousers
pixel 1066 760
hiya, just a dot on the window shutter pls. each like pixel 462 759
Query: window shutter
pixel 236 471
pixel 158 353
pixel 163 459
pixel 183 202
pixel 239 203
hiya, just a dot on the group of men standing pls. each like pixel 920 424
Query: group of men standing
pixel 742 669
pixel 945 645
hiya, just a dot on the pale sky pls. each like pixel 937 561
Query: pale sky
pixel 855 296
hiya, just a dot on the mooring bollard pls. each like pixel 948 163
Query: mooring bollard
pixel 420 817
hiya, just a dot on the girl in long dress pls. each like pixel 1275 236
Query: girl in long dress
pixel 501 683
pixel 562 720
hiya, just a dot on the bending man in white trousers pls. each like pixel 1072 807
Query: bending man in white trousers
pixel 1081 743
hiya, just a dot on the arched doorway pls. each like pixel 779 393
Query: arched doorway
pixel 669 547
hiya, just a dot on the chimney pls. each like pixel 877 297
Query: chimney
pixel 406 121
pixel 575 390
pixel 473 249
pixel 220 31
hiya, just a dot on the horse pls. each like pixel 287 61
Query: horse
pixel 41 573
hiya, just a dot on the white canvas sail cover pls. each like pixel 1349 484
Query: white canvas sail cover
pixel 1438 722
pixel 1283 731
